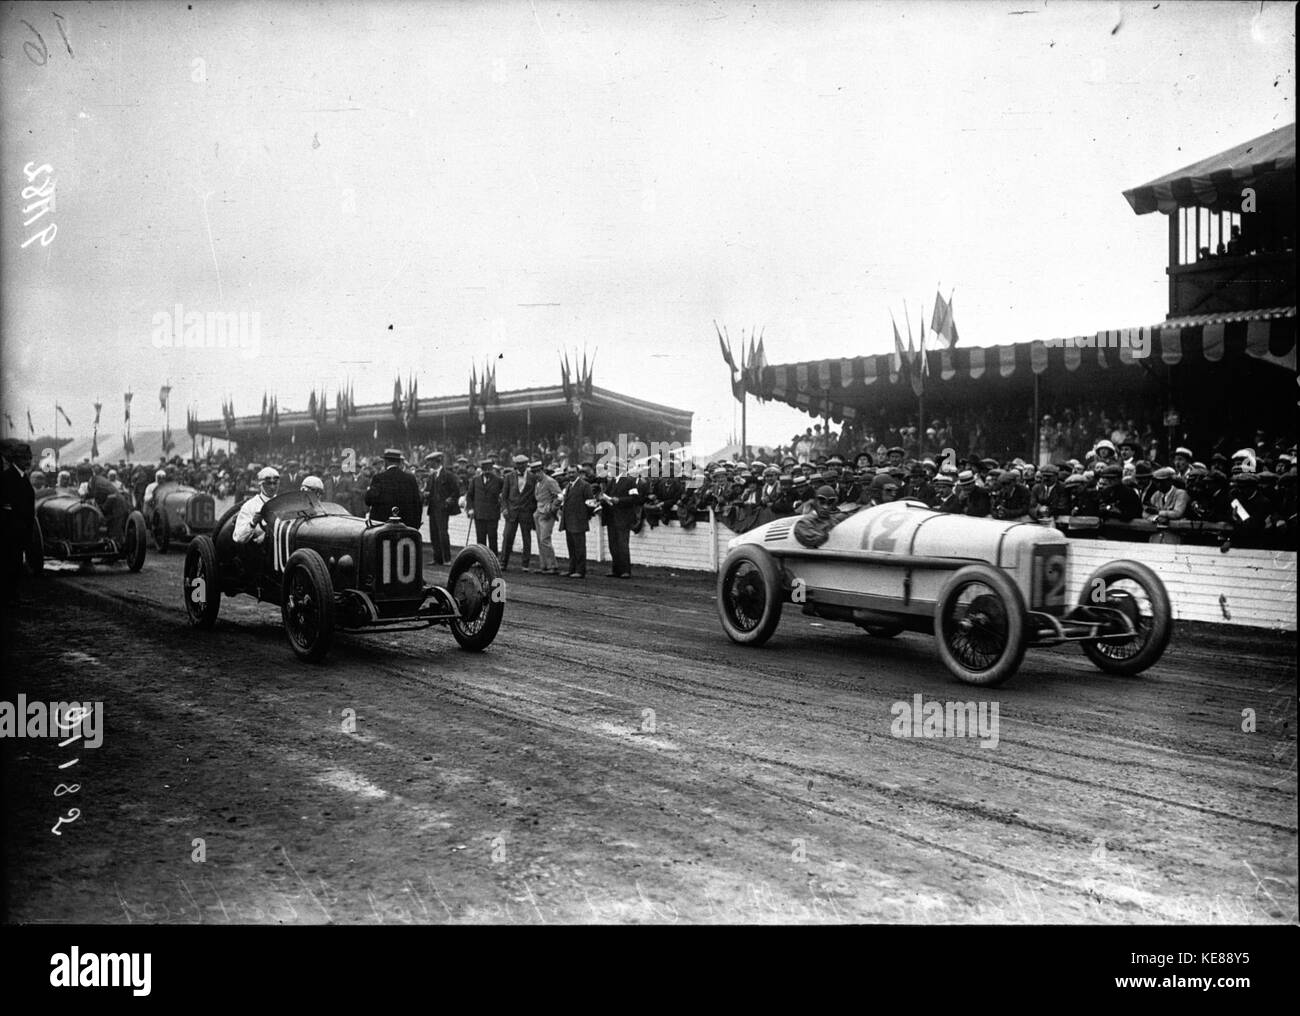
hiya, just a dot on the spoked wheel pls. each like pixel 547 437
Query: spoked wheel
pixel 749 596
pixel 1137 593
pixel 308 606
pixel 134 542
pixel 202 589
pixel 162 535
pixel 979 621
pixel 476 585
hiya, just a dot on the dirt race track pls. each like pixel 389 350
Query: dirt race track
pixel 614 758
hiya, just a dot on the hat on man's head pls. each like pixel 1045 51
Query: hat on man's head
pixel 1164 473
pixel 535 464
pixel 1142 468
pixel 1112 473
pixel 1183 450
pixel 390 455
pixel 432 456
pixel 268 473
pixel 965 478
pixel 1075 480
pixel 521 460
pixel 486 463
pixel 943 480
pixel 826 492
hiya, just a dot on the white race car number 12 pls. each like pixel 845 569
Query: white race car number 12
pixel 879 534
pixel 397 557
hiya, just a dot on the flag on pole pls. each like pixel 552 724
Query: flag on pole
pixel 98 407
pixel 31 427
pixel 397 398
pixel 735 373
pixel 900 354
pixel 726 350
pixel 164 393
pixel 10 421
pixel 126 398
pixel 63 414
pixel 942 323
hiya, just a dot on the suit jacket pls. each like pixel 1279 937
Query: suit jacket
pixel 547 493
pixel 518 505
pixel 627 495
pixel 443 493
pixel 484 496
pixel 18 495
pixel 574 512
pixel 395 488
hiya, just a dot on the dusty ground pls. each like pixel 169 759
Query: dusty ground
pixel 533 783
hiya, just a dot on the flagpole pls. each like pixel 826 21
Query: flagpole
pixel 56 436
pixel 920 395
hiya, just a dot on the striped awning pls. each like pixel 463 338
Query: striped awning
pixel 1217 182
pixel 840 388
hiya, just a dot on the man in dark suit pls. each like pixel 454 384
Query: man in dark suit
pixel 483 503
pixel 518 503
pixel 574 516
pixel 622 496
pixel 443 497
pixel 393 488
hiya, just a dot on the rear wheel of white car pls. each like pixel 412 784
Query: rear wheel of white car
pixel 749 596
pixel 979 621
pixel 308 607
pixel 1135 591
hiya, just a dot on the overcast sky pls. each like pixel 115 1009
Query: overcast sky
pixel 511 179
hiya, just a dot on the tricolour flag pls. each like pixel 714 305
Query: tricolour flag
pixel 942 323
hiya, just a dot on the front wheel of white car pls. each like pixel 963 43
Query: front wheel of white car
pixel 979 621
pixel 749 596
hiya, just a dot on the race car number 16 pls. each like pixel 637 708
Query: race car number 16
pixel 398 556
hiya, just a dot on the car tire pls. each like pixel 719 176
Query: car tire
pixel 749 595
pixel 474 583
pixel 983 640
pixel 161 531
pixel 1136 655
pixel 35 552
pixel 201 563
pixel 135 542
pixel 307 605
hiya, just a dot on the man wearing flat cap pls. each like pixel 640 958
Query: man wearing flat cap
pixel 1116 500
pixel 394 488
pixel 442 494
pixel 483 503
pixel 518 505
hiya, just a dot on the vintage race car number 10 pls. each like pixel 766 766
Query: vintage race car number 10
pixel 397 557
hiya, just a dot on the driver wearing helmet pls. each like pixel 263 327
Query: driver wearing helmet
pixel 314 488
pixel 248 524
